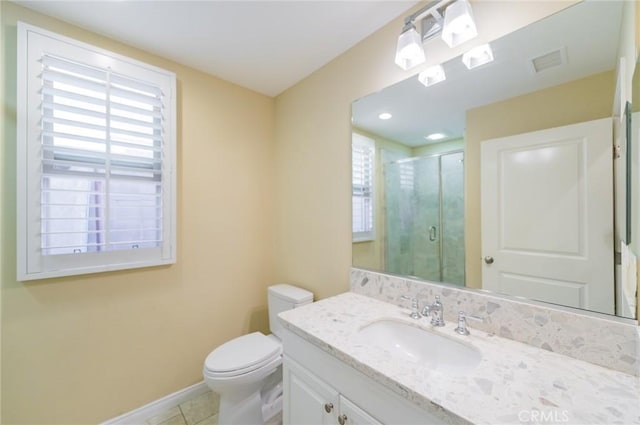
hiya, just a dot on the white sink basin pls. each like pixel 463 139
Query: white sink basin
pixel 411 343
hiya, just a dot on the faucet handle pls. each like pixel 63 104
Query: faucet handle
pixel 415 314
pixel 437 312
pixel 462 322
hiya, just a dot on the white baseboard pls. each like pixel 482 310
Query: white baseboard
pixel 142 414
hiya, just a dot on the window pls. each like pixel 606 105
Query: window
pixel 363 173
pixel 96 159
pixel 407 175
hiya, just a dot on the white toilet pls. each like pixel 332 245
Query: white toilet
pixel 247 371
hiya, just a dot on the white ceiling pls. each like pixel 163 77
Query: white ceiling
pixel 588 32
pixel 267 46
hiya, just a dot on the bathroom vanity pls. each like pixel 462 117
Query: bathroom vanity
pixel 333 373
pixel 321 389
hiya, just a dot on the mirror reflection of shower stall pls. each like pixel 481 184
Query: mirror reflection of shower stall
pixel 424 216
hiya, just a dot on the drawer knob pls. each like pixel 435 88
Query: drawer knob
pixel 342 419
pixel 328 407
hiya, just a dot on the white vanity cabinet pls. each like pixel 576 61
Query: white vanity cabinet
pixel 320 389
pixel 310 401
pixel 353 415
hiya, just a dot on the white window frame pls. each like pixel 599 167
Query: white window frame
pixel 33 43
pixel 363 142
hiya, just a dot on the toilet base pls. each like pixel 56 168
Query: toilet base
pixel 252 403
pixel 272 402
pixel 252 409
pixel 247 410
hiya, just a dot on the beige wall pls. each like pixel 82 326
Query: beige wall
pixel 86 349
pixel 581 100
pixel 313 166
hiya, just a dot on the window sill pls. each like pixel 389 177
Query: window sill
pixel 363 240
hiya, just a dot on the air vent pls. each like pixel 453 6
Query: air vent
pixel 549 60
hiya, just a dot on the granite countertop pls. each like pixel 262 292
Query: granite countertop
pixel 514 382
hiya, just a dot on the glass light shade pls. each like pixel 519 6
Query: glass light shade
pixel 459 25
pixel 478 56
pixel 409 51
pixel 431 76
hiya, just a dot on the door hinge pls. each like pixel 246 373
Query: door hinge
pixel 617 151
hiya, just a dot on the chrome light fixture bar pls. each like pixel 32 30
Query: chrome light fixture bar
pixel 431 25
pixel 450 18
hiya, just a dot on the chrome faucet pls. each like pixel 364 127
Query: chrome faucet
pixel 415 314
pixel 436 312
pixel 462 322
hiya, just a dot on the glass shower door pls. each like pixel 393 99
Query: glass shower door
pixel 452 184
pixel 427 231
pixel 424 217
pixel 398 217
pixel 412 217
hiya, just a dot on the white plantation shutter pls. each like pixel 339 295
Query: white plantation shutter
pixel 362 182
pixel 96 159
pixel 101 158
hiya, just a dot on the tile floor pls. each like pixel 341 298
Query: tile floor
pixel 200 410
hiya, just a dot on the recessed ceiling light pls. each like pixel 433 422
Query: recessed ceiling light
pixel 435 136
pixel 384 116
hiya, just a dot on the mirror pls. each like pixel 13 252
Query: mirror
pixel 500 176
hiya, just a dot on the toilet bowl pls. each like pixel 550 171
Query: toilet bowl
pixel 247 371
pixel 238 371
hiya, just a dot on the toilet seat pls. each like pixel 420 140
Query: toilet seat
pixel 242 355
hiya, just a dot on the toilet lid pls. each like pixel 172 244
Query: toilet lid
pixel 248 351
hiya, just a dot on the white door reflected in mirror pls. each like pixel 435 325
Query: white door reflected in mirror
pixel 547 215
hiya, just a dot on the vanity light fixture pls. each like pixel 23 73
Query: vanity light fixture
pixel 433 75
pixel 435 136
pixel 409 52
pixel 431 25
pixel 385 116
pixel 459 25
pixel 478 56
pixel 451 19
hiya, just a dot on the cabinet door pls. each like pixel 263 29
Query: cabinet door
pixel 350 414
pixel 307 400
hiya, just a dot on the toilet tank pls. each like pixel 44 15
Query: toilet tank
pixel 285 297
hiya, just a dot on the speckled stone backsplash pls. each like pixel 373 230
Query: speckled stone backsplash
pixel 594 338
